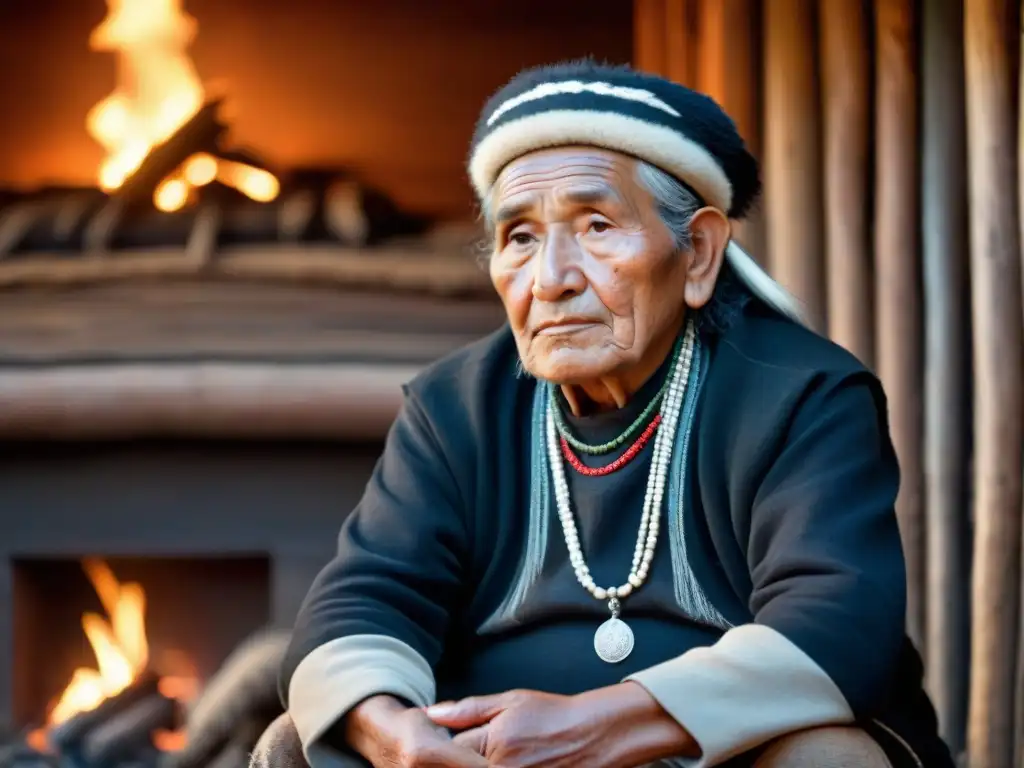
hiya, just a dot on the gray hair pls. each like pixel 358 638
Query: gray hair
pixel 676 207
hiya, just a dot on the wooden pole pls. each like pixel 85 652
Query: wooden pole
pixel 846 110
pixel 898 278
pixel 649 41
pixel 947 363
pixel 793 194
pixel 681 41
pixel 990 42
pixel 728 71
pixel 1019 698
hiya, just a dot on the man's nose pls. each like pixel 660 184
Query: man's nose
pixel 557 272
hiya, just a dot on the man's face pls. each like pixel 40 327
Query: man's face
pixel 589 274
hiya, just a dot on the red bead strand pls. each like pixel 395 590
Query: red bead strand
pixel 620 462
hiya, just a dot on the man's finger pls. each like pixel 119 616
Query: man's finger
pixel 474 739
pixel 469 712
pixel 440 751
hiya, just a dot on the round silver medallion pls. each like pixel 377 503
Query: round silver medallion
pixel 613 641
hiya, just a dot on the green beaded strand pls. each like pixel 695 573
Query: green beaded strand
pixel 631 432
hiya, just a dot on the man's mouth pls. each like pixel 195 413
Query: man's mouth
pixel 565 328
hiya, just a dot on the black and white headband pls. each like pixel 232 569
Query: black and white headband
pixel 683 132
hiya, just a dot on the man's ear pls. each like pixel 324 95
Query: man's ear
pixel 710 230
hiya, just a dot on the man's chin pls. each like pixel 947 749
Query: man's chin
pixel 569 365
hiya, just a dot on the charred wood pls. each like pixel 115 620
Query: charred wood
pixel 200 133
pixel 69 735
pixel 126 733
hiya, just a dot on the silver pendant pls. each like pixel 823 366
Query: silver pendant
pixel 613 640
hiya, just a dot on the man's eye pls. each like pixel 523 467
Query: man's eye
pixel 521 239
pixel 599 226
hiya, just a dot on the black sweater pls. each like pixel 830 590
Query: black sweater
pixel 775 601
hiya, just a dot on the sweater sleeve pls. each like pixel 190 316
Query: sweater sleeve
pixel 829 587
pixel 375 618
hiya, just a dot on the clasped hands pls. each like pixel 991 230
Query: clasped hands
pixel 615 727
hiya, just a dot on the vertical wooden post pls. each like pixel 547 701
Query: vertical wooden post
pixel 898 278
pixel 947 363
pixel 681 41
pixel 793 194
pixel 649 36
pixel 846 93
pixel 728 70
pixel 990 42
pixel 1019 693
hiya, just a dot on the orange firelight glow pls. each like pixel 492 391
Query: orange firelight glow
pixel 158 90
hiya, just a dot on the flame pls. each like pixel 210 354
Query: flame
pixel 158 90
pixel 118 641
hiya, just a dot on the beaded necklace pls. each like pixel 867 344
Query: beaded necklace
pixel 614 639
pixel 627 456
pixel 641 422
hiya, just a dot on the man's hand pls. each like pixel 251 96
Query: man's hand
pixel 392 735
pixel 616 727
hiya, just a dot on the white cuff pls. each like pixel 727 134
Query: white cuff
pixel 338 675
pixel 750 687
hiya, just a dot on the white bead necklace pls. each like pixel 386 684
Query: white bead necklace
pixel 614 640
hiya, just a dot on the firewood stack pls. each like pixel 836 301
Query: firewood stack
pixel 314 205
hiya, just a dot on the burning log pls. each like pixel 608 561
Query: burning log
pixel 68 736
pixel 201 133
pixel 122 735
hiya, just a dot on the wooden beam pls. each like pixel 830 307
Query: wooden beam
pixel 990 56
pixel 442 271
pixel 898 278
pixel 649 41
pixel 846 115
pixel 207 400
pixel 793 193
pixel 947 364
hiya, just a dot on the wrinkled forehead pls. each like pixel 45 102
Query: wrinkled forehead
pixel 566 176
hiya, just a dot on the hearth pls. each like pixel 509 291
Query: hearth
pixel 222 540
pixel 79 640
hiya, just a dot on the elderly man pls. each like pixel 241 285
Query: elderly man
pixel 648 521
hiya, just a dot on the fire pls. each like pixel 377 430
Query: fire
pixel 158 90
pixel 118 640
pixel 121 648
